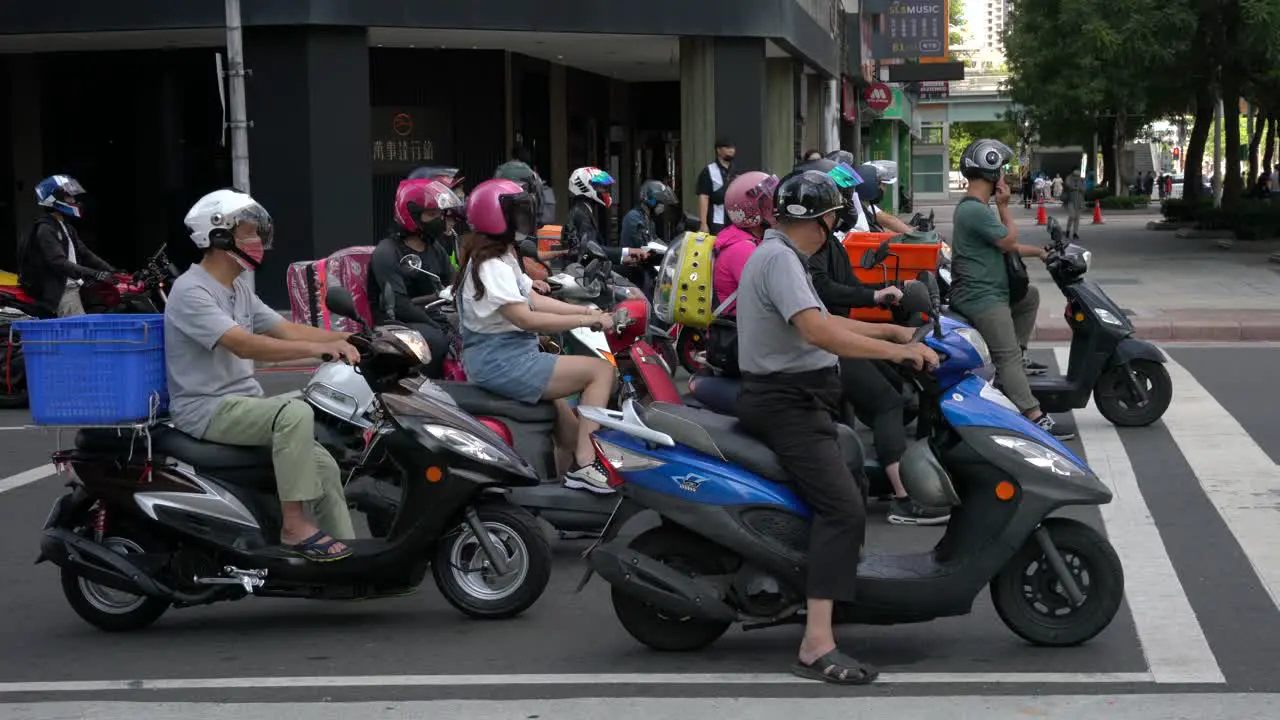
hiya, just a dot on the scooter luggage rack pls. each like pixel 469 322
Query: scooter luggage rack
pixel 142 427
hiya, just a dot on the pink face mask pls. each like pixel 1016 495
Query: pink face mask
pixel 249 252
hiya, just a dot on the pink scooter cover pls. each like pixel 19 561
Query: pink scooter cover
pixel 309 280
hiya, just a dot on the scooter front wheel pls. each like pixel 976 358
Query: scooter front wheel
pixel 1114 393
pixel 1032 602
pixel 469 581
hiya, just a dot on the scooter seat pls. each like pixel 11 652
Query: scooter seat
pixel 721 435
pixel 247 466
pixel 478 401
pixel 716 392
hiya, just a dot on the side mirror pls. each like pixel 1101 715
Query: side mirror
pixel 915 298
pixel 872 258
pixel 935 303
pixel 868 259
pixel 593 251
pixel 340 302
pixel 388 303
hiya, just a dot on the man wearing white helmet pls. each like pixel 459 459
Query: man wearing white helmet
pixel 215 329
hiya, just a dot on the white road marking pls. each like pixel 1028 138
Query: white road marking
pixel 1172 640
pixel 1202 706
pixel 590 679
pixel 27 477
pixel 1237 476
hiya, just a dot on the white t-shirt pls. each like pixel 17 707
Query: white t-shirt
pixel 504 283
pixel 863 225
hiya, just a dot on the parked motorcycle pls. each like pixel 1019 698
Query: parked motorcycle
pixel 732 546
pixel 1126 375
pixel 176 521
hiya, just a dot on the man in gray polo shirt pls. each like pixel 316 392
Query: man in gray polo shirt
pixel 789 349
pixel 215 328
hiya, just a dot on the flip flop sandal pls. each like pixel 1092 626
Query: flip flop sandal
pixel 836 668
pixel 316 551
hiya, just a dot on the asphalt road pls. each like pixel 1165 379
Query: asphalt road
pixel 1196 499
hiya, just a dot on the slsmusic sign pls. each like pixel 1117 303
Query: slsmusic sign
pixel 913 29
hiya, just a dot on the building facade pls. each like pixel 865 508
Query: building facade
pixel 345 98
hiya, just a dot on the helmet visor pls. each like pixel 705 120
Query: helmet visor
pixel 845 176
pixel 250 221
pixel 521 213
pixel 71 187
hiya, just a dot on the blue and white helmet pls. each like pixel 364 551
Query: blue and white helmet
pixel 58 193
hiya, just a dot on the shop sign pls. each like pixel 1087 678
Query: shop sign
pixel 403 137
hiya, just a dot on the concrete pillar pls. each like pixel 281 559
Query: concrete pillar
pixel 310 144
pixel 559 178
pixel 697 114
pixel 26 139
pixel 730 72
pixel 830 115
pixel 780 120
pixel 812 112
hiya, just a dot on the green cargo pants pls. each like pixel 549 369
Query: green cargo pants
pixel 305 471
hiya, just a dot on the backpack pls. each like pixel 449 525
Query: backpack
pixel 685 287
pixel 1015 268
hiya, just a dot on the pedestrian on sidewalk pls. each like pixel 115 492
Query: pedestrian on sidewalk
pixel 1073 198
pixel 1057 186
pixel 711 185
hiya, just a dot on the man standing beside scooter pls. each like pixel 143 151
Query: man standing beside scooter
pixel 789 349
pixel 985 252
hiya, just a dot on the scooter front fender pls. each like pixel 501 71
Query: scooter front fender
pixel 1131 349
pixel 654 373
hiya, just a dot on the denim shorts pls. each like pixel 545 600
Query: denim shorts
pixel 509 364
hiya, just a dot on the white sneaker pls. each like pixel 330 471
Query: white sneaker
pixel 592 478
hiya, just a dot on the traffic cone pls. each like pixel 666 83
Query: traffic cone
pixel 1042 218
pixel 1097 212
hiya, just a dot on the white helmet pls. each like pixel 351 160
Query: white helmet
pixel 593 183
pixel 888 170
pixel 213 219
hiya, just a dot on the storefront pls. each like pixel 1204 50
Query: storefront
pixel 891 138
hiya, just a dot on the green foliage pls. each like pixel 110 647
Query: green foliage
pixel 1248 219
pixel 1182 210
pixel 1125 202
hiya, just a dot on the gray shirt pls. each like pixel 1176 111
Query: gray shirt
pixel 201 372
pixel 775 287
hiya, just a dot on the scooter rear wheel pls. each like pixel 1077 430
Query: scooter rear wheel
pixel 107 608
pixel 1029 598
pixel 653 627
pixel 1111 394
pixel 470 584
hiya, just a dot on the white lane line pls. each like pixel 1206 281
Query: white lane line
pixel 589 679
pixel 1205 706
pixel 1238 477
pixel 1172 639
pixel 27 477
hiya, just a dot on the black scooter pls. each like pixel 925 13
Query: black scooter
pixel 168 520
pixel 1125 375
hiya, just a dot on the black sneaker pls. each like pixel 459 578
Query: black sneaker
pixel 905 511
pixel 1032 367
pixel 1047 424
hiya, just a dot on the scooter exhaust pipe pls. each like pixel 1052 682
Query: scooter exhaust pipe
pixel 106 567
pixel 647 579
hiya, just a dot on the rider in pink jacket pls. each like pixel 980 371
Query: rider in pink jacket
pixel 749 204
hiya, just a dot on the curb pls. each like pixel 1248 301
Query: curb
pixel 1180 330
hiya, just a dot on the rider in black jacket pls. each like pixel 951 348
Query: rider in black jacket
pixel 53 262
pixel 588 187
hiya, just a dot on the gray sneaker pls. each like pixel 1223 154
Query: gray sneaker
pixel 1047 424
pixel 905 511
pixel 593 478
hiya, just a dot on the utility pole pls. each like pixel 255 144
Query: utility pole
pixel 1217 152
pixel 238 120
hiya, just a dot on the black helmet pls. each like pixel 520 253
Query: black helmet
pixel 870 186
pixel 656 192
pixel 823 165
pixel 985 159
pixel 842 156
pixel 806 195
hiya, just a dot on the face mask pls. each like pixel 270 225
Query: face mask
pixel 249 253
pixel 728 158
pixel 879 197
pixel 434 229
pixel 659 209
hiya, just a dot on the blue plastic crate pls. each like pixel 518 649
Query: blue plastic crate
pixel 94 369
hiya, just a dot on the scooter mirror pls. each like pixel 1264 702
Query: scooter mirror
pixel 868 259
pixel 915 298
pixel 388 303
pixel 340 302
pixel 593 251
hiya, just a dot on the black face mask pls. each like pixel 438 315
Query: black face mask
pixel 879 197
pixel 434 229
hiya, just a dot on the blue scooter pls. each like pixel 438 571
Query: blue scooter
pixel 732 545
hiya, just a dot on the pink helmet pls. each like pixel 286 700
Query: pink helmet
pixel 749 199
pixel 501 208
pixel 415 196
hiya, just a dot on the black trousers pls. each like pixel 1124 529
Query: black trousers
pixel 795 414
pixel 877 403
pixel 438 342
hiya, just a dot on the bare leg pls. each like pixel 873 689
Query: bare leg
pixel 566 436
pixel 819 637
pixel 594 379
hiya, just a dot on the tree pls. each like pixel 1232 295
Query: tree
pixel 963 133
pixel 956 22
pixel 1095 67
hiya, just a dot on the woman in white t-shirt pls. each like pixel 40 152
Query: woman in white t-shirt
pixel 500 319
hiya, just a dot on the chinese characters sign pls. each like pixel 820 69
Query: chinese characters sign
pixel 406 137
pixel 914 29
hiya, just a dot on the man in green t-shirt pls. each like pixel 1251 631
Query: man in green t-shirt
pixel 980 289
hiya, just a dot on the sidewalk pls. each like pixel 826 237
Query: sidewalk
pixel 1172 288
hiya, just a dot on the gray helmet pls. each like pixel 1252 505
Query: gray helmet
pixel 842 156
pixel 656 192
pixel 985 159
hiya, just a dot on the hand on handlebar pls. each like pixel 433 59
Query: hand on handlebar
pixel 918 356
pixel 599 321
pixel 888 296
pixel 541 286
pixel 338 350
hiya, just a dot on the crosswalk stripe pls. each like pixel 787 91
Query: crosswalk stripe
pixel 1172 640
pixel 1237 476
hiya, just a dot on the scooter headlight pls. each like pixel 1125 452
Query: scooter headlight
pixel 1033 453
pixel 974 338
pixel 415 342
pixel 465 443
pixel 1106 317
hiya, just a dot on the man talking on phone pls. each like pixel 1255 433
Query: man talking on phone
pixel 980 242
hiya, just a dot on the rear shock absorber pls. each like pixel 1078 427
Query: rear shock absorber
pixel 99 512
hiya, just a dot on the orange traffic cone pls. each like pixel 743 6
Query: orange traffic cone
pixel 1042 218
pixel 1097 212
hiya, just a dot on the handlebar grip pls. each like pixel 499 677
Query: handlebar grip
pixel 327 357
pixel 598 327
